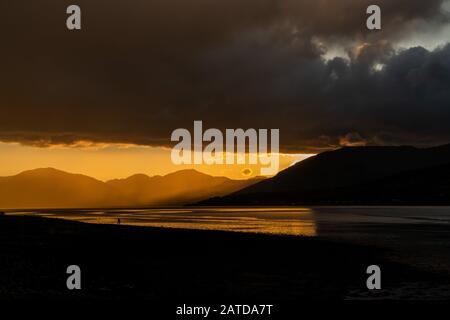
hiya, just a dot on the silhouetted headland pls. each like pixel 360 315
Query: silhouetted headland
pixel 357 176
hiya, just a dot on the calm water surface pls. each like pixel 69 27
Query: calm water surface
pixel 301 221
pixel 419 236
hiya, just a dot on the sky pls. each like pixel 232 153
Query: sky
pixel 140 69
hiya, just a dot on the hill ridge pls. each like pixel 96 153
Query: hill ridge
pixel 54 188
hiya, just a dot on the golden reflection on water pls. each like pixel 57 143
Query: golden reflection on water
pixel 281 221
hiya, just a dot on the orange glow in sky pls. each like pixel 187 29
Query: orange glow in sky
pixel 110 161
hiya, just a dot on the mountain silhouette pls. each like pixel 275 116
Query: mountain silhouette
pixel 51 188
pixel 355 175
pixel 180 187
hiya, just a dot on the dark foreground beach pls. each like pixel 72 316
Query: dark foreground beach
pixel 185 266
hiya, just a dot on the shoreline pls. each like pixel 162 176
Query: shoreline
pixel 218 206
pixel 150 263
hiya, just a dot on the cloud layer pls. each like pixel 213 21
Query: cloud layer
pixel 140 69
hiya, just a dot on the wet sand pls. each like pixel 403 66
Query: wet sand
pixel 129 262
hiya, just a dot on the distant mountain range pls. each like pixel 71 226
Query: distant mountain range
pixel 355 175
pixel 351 175
pixel 51 188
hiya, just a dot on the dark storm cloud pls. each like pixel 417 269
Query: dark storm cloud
pixel 139 69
